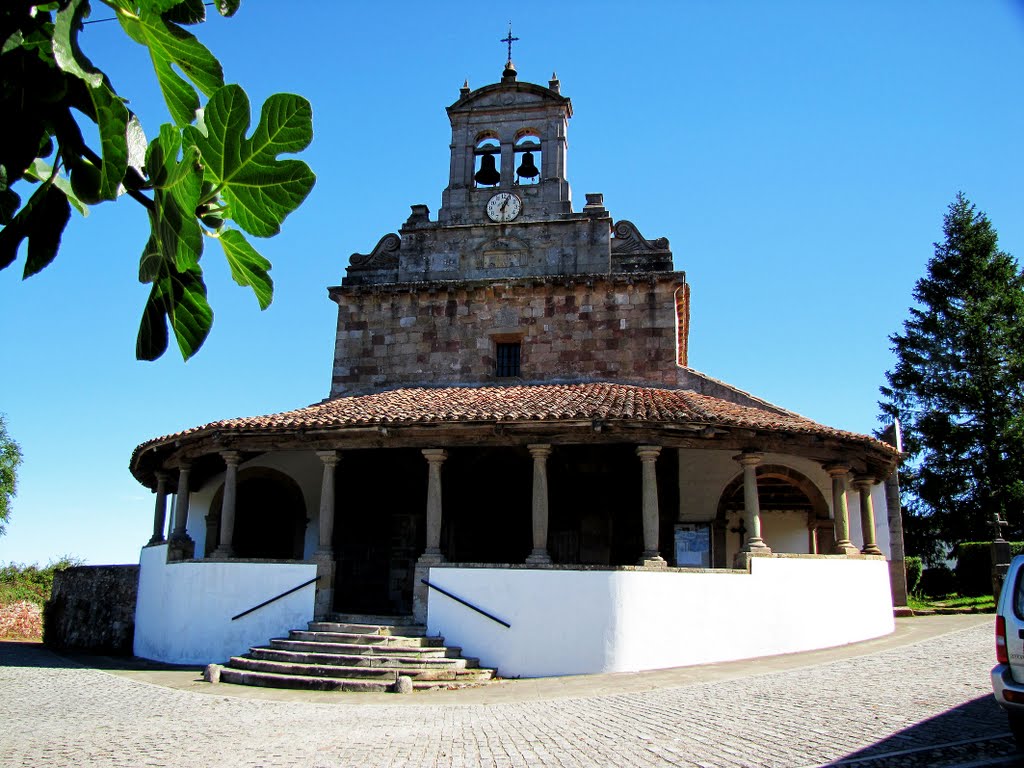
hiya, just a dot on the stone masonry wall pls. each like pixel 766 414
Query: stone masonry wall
pixel 625 328
pixel 92 609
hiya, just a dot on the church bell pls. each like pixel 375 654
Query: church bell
pixel 527 169
pixel 488 174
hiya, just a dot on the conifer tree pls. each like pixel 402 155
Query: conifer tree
pixel 958 389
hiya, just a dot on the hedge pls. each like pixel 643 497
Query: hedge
pixel 974 566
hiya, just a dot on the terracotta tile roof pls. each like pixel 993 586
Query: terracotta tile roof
pixel 603 401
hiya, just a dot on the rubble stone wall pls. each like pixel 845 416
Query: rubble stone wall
pixel 593 328
pixel 92 609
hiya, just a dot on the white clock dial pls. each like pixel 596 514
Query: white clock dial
pixel 504 206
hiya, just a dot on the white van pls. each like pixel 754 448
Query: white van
pixel 1008 674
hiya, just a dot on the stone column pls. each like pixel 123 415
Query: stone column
pixel 651 557
pixel 812 533
pixel 751 503
pixel 897 564
pixel 432 552
pixel 839 474
pixel 326 568
pixel 227 506
pixel 181 545
pixel 160 513
pixel 863 485
pixel 539 555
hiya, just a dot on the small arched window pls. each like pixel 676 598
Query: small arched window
pixel 528 159
pixel 487 162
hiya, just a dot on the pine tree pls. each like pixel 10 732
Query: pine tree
pixel 958 389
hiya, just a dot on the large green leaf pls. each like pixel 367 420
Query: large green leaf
pixel 260 190
pixel 171 46
pixel 41 221
pixel 178 298
pixel 176 189
pixel 41 170
pixel 248 267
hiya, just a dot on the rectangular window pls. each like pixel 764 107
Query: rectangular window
pixel 506 363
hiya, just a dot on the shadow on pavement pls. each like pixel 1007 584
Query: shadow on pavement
pixel 972 733
pixel 14 653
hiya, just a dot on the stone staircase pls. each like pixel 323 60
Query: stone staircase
pixel 357 653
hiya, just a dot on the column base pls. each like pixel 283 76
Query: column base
pixel 323 602
pixel 222 553
pixel 741 561
pixel 872 550
pixel 181 548
pixel 155 541
pixel 652 560
pixel 539 557
pixel 845 548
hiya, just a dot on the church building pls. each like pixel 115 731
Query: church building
pixel 516 453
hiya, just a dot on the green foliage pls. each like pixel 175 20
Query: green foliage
pixel 201 173
pixel 958 390
pixel 10 458
pixel 914 567
pixel 974 566
pixel 30 582
pixel 937 581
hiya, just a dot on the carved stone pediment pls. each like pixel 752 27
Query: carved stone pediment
pixel 627 240
pixel 384 254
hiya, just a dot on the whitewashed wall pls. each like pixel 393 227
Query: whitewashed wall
pixel 577 622
pixel 184 609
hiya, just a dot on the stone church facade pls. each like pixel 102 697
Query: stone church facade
pixel 511 399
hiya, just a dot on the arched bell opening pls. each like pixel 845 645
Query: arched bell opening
pixel 794 515
pixel 527 159
pixel 487 162
pixel 270 517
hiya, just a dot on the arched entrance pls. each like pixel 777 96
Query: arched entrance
pixel 270 517
pixel 794 515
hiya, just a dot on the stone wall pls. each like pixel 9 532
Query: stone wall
pixel 621 327
pixel 92 609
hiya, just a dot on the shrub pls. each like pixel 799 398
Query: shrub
pixel 938 581
pixel 30 582
pixel 913 565
pixel 974 566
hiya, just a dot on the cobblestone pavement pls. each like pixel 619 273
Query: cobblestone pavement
pixel 884 709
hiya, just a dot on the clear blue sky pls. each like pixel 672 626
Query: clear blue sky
pixel 798 155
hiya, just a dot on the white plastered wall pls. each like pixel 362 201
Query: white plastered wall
pixel 184 609
pixel 304 467
pixel 630 620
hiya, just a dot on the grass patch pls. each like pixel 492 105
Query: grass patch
pixel 953 603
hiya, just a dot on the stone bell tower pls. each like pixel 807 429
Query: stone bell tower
pixel 508 137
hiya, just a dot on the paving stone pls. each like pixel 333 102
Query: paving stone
pixel 851 712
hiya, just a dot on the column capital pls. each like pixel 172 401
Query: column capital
pixel 539 450
pixel 434 455
pixel 162 475
pixel 231 457
pixel 184 465
pixel 330 458
pixel 748 458
pixel 648 452
pixel 863 482
pixel 837 469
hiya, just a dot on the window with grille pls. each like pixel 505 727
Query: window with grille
pixel 507 359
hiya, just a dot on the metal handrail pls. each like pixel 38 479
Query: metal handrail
pixel 271 600
pixel 446 593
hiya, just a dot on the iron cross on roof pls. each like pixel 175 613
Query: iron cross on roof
pixel 509 40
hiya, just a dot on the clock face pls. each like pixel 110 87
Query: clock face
pixel 504 206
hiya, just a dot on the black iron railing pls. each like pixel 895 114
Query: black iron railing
pixel 457 599
pixel 273 599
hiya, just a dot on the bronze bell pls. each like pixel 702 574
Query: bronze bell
pixel 527 169
pixel 488 174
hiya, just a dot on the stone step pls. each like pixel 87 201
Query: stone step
pixel 363 659
pixel 379 620
pixel 351 638
pixel 302 682
pixel 386 675
pixel 314 670
pixel 410 630
pixel 304 646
